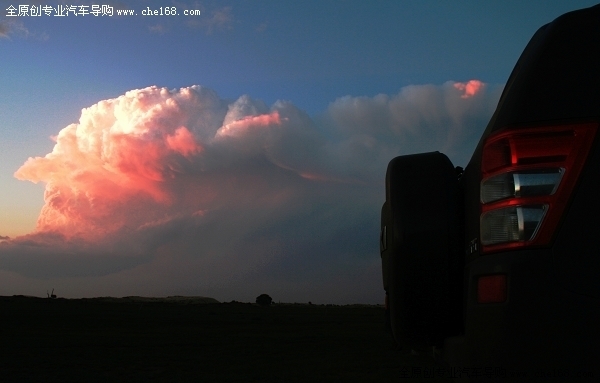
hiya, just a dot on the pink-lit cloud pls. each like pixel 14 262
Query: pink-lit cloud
pixel 178 191
pixel 470 88
pixel 119 154
pixel 242 126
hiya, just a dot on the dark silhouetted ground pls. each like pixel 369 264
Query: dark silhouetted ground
pixel 189 340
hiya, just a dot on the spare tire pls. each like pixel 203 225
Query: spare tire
pixel 420 248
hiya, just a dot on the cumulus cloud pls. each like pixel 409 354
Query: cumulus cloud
pixel 220 19
pixel 4 29
pixel 261 27
pixel 158 28
pixel 419 118
pixel 178 191
pixel 12 26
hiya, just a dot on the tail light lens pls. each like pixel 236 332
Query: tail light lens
pixel 512 224
pixel 521 184
pixel 528 176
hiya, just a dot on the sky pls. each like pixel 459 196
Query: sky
pixel 231 148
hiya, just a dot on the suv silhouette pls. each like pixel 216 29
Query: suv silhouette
pixel 499 265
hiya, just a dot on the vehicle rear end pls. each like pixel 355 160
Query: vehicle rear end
pixel 532 214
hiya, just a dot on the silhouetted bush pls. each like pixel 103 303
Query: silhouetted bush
pixel 264 300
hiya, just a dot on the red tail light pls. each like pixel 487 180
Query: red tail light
pixel 528 176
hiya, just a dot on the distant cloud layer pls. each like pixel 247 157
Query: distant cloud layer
pixel 163 192
pixel 220 19
pixel 11 26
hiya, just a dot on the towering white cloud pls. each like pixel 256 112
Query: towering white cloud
pixel 166 191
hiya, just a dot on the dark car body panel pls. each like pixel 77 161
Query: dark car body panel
pixel 556 77
pixel 548 324
pixel 550 319
pixel 541 328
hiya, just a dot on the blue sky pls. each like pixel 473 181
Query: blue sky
pixel 360 83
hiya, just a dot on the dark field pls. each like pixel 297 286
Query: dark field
pixel 185 340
